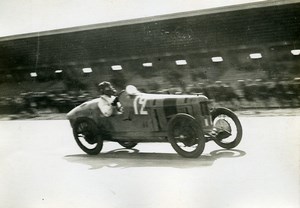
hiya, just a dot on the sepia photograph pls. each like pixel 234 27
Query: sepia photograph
pixel 150 104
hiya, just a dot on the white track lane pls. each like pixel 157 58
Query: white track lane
pixel 41 166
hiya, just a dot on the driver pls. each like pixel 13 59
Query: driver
pixel 108 103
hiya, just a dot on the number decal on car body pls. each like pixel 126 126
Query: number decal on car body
pixel 139 105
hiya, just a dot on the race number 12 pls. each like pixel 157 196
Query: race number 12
pixel 139 105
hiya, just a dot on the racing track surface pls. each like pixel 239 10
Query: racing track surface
pixel 41 166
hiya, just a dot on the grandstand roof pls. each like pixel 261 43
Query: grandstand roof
pixel 265 27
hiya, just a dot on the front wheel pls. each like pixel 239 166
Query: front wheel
pixel 87 137
pixel 185 136
pixel 228 128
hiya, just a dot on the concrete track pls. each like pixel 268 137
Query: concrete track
pixel 42 166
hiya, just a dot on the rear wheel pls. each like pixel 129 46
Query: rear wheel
pixel 87 137
pixel 185 136
pixel 228 128
pixel 128 145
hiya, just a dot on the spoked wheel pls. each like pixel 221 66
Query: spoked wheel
pixel 128 145
pixel 185 136
pixel 227 127
pixel 85 134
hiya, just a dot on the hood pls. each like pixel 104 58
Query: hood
pixel 176 100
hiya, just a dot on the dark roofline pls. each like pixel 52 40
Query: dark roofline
pixel 267 3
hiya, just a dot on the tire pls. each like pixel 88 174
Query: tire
pixel 87 136
pixel 186 136
pixel 228 127
pixel 128 145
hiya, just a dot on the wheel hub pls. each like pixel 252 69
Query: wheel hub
pixel 187 140
pixel 90 139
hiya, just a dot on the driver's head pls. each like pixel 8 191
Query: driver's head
pixel 105 88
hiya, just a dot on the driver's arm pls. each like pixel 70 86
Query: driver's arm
pixel 116 100
pixel 117 104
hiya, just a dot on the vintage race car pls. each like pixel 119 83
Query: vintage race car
pixel 185 121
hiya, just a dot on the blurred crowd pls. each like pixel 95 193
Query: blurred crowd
pixel 43 102
pixel 242 94
pixel 251 93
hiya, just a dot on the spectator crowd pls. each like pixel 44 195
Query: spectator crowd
pixel 243 94
pixel 252 93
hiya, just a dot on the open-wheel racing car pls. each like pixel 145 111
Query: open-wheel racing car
pixel 185 121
